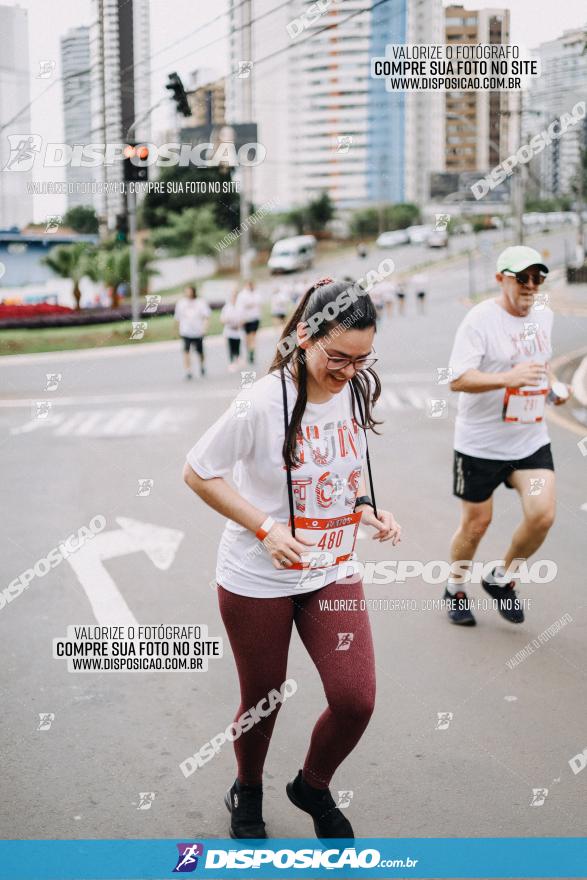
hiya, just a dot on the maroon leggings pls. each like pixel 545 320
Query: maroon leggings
pixel 259 631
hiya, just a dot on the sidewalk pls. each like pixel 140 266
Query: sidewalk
pixel 566 299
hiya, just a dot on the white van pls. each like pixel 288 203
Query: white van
pixel 291 254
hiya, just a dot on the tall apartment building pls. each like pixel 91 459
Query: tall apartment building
pixel 16 203
pixel 325 123
pixel 120 85
pixel 77 118
pixel 477 129
pixel 562 85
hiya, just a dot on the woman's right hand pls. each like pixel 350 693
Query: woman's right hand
pixel 283 547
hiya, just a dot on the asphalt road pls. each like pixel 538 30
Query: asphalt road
pixel 122 417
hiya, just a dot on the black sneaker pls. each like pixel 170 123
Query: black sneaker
pixel 509 606
pixel 458 608
pixel 244 803
pixel 319 803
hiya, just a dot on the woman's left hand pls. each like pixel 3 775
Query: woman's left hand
pixel 384 522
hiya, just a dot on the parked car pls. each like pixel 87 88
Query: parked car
pixel 291 254
pixel 437 238
pixel 393 238
pixel 418 234
pixel 464 228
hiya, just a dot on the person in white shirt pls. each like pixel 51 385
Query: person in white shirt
pixel 249 302
pixel 232 319
pixel 279 305
pixel 192 315
pixel 500 365
pixel 296 445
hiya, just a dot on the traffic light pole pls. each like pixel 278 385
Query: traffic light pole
pixel 131 210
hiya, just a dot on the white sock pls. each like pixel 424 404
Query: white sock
pixel 453 586
pixel 498 577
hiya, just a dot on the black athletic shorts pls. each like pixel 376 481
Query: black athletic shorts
pixel 251 326
pixel 476 479
pixel 195 341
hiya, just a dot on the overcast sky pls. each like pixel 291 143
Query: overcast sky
pixel 182 23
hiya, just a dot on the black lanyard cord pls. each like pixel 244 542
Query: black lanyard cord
pixel 356 396
pixel 286 424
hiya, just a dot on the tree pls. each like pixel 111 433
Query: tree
pixel 319 212
pixel 73 261
pixel 297 217
pixel 190 187
pixel 400 216
pixel 81 219
pixel 113 268
pixel 193 231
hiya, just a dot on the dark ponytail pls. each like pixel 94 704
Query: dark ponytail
pixel 359 314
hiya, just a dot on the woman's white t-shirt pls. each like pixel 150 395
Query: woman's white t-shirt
pixel 493 341
pixel 192 315
pixel 232 318
pixel 247 442
pixel 249 302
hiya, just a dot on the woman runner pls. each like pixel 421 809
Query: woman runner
pixel 299 432
pixel 232 321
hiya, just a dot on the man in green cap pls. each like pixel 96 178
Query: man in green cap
pixel 500 364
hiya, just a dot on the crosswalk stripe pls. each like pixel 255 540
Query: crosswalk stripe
pixel 108 423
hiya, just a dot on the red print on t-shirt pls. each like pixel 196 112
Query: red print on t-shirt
pixel 323 445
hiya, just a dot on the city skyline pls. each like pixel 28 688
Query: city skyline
pixel 44 44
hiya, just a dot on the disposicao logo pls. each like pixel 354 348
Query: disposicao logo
pixel 188 857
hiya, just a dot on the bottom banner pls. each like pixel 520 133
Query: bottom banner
pixel 294 857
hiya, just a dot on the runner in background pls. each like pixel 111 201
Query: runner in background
pixel 280 305
pixel 400 292
pixel 377 296
pixel 300 430
pixel 192 315
pixel 500 364
pixel 232 320
pixel 419 284
pixel 249 302
pixel 389 291
pixel 300 285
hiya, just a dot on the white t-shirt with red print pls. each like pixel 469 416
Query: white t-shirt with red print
pixel 493 341
pixel 246 443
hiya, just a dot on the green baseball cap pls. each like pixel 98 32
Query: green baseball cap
pixel 518 258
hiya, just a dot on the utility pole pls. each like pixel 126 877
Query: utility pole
pixel 519 181
pixel 246 170
pixel 580 255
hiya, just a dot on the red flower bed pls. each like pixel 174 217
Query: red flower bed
pixel 31 311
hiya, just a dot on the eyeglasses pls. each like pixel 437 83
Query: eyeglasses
pixel 523 277
pixel 341 363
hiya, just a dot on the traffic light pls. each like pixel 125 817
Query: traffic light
pixel 175 85
pixel 134 154
pixel 122 228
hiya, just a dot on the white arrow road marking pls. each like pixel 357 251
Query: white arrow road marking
pixel 584 506
pixel 109 607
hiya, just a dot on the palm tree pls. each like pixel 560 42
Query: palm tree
pixel 73 261
pixel 113 267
